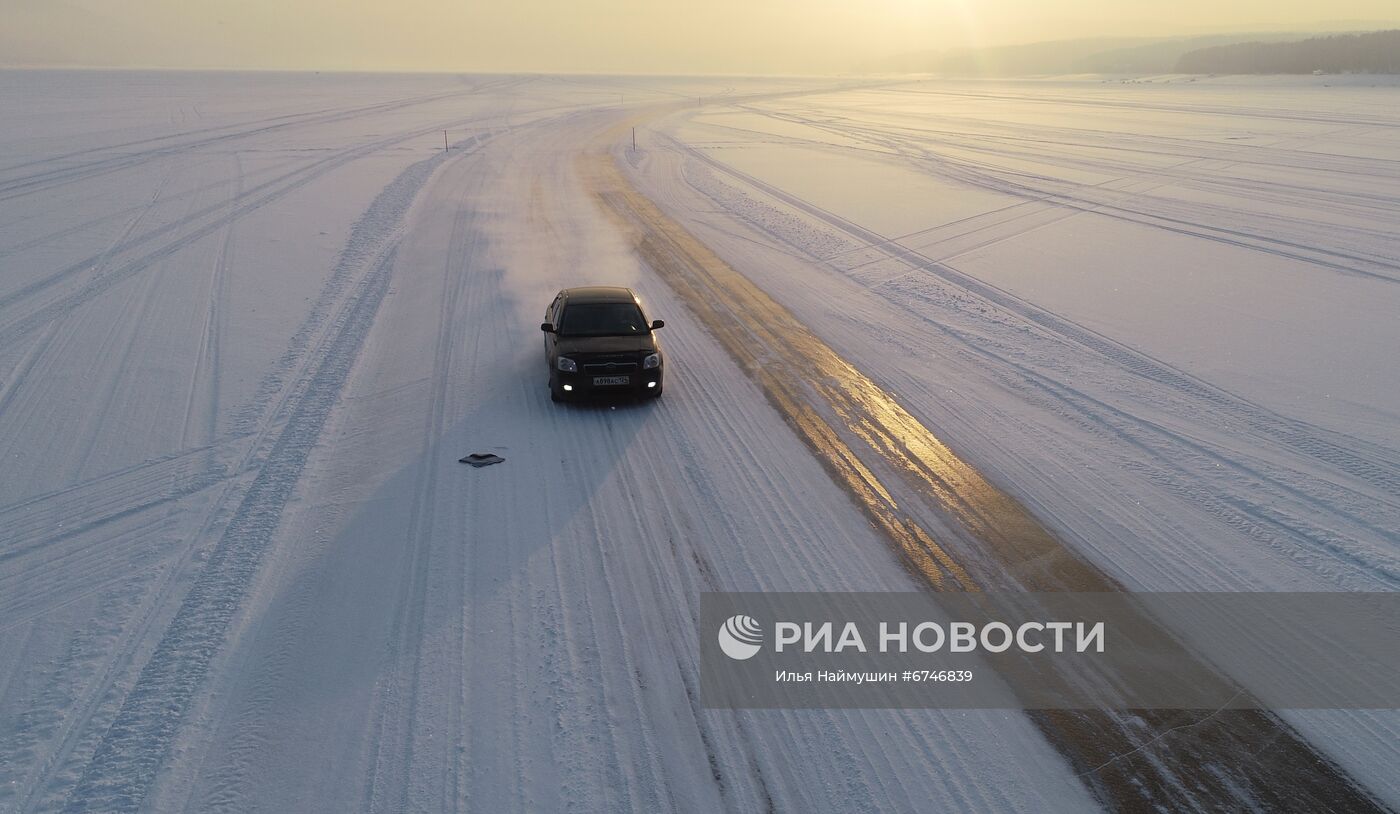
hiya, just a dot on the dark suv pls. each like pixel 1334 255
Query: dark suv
pixel 598 342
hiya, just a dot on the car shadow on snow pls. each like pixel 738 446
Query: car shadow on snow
pixel 435 543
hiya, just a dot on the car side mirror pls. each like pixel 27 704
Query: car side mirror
pixel 546 327
pixel 658 323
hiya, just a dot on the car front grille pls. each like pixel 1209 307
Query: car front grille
pixel 610 367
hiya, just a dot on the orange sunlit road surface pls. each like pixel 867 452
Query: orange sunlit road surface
pixel 792 366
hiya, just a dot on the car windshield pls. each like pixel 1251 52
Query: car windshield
pixel 602 319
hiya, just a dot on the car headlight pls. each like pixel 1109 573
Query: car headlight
pixel 652 360
pixel 567 365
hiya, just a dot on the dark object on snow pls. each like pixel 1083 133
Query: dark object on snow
pixel 480 459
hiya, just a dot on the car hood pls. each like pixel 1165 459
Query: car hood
pixel 645 343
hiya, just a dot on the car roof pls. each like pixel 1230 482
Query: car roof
pixel 599 293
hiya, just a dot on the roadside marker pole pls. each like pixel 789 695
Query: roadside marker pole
pixel 444 141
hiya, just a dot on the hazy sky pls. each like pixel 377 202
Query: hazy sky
pixel 640 36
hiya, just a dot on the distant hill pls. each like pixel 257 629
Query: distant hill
pixel 1159 56
pixel 1103 55
pixel 1375 52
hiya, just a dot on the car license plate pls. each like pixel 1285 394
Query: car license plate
pixel 604 380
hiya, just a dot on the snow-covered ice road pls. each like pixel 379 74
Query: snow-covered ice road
pixel 248 324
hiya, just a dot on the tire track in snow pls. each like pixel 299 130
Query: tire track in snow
pixel 1263 113
pixel 47 179
pixel 31 524
pixel 1000 140
pixel 125 762
pixel 1304 439
pixel 128 332
pixel 391 782
pixel 208 362
pixel 55 533
pixel 159 480
pixel 253 425
pixel 222 214
pixel 256 123
pixel 1328 502
pixel 1171 217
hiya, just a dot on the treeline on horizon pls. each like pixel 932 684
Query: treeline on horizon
pixel 1375 52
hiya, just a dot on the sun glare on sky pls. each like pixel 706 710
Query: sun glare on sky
pixel 623 36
